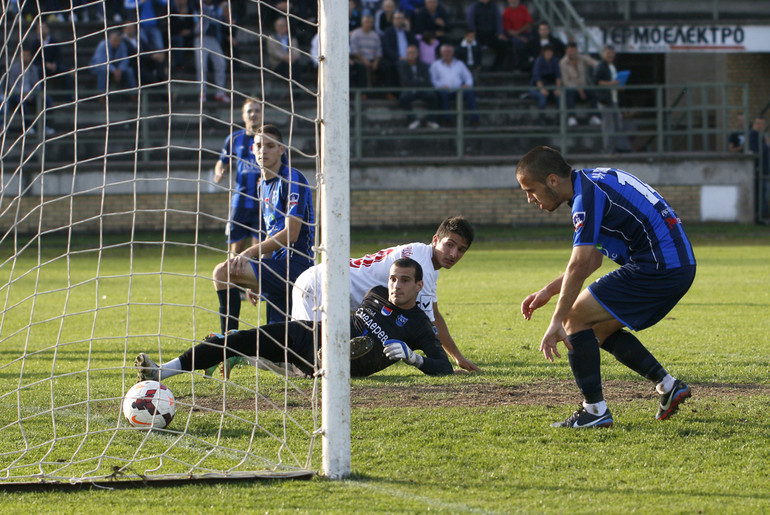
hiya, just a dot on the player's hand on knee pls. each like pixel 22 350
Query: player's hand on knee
pixel 398 350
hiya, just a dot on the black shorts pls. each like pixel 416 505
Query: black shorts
pixel 639 298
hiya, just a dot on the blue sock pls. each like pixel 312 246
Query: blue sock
pixel 585 362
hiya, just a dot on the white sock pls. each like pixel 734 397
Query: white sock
pixel 171 368
pixel 665 385
pixel 597 408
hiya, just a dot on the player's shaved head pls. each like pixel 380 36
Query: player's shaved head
pixel 409 263
pixel 457 225
pixel 542 161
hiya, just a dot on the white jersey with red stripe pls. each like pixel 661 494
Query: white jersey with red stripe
pixel 365 273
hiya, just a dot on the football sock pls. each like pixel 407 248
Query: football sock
pixel 665 385
pixel 629 351
pixel 229 304
pixel 597 408
pixel 585 362
pixel 171 368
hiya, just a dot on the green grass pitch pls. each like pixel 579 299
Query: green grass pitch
pixel 477 443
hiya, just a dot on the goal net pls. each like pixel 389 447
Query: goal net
pixel 112 222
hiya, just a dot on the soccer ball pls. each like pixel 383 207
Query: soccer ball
pixel 149 404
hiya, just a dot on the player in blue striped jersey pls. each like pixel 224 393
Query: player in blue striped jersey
pixel 619 216
pixel 286 249
pixel 245 219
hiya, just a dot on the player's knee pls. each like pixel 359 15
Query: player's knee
pixel 220 273
pixel 573 324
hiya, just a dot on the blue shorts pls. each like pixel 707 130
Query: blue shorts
pixel 639 298
pixel 244 222
pixel 272 275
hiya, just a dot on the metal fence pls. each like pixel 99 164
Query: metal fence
pixel 654 119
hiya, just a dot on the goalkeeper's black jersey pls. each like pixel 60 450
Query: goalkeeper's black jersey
pixel 376 319
pixel 380 320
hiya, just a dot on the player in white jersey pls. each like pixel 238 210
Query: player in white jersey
pixel 448 246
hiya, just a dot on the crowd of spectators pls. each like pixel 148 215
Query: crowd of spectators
pixel 458 50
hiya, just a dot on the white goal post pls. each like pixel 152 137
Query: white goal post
pixel 111 224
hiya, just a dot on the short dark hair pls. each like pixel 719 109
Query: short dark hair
pixel 458 225
pixel 571 44
pixel 272 130
pixel 542 161
pixel 406 262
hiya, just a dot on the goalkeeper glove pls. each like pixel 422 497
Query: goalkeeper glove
pixel 396 349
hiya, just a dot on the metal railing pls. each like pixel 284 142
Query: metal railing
pixel 656 119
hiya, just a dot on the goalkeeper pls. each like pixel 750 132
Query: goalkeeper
pixel 387 327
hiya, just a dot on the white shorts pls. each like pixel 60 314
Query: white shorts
pixel 307 295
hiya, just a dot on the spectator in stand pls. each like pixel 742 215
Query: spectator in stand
pixel 282 51
pixel 395 41
pixel 759 145
pixel 517 26
pixel 546 77
pixel 147 62
pixel 182 29
pixel 542 38
pixel 485 20
pixel 737 139
pixel 575 70
pixel 409 8
pixel 469 52
pixel 606 76
pixel 149 13
pixel 370 6
pixel 25 79
pixel 110 58
pixel 208 43
pixel 413 73
pixel 384 17
pixel 428 45
pixel 354 16
pixel 366 48
pixel 449 75
pixel 50 61
pixel 230 34
pixel 433 17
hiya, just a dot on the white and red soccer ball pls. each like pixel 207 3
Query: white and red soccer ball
pixel 149 405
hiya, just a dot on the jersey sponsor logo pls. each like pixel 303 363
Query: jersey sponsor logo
pixel 578 219
pixel 401 320
pixel 424 304
pixel 369 259
pixel 435 329
pixel 386 311
pixel 670 218
pixel 374 329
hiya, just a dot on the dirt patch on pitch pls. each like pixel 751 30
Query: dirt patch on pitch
pixel 542 394
pixel 472 395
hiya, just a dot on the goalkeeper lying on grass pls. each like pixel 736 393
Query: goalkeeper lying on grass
pixel 387 327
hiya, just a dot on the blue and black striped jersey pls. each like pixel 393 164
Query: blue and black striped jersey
pixel 288 194
pixel 239 146
pixel 627 220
